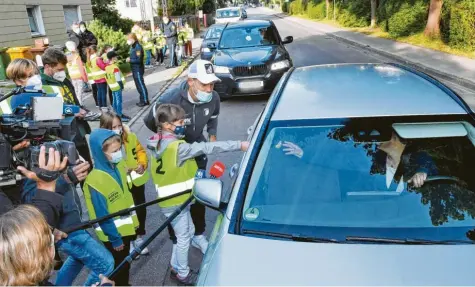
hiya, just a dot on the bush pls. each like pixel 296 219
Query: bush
pixel 462 26
pixel 355 13
pixel 297 7
pixel 108 36
pixel 285 7
pixel 410 19
pixel 107 14
pixel 316 11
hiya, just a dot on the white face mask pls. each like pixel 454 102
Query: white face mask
pixel 59 76
pixel 116 157
pixel 35 82
pixel 83 29
pixel 118 131
pixel 130 42
pixel 76 30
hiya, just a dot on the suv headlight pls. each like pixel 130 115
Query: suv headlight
pixel 205 50
pixel 280 65
pixel 221 70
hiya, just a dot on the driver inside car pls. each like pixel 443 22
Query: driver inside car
pixel 395 159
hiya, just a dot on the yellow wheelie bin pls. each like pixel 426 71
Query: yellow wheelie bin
pixel 20 52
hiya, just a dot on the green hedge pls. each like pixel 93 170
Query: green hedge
pixel 462 26
pixel 108 36
pixel 354 13
pixel 297 7
pixel 316 11
pixel 285 7
pixel 410 19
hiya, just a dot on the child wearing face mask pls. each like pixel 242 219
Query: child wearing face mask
pixel 106 191
pixel 173 169
pixel 137 163
pixel 76 70
pixel 97 66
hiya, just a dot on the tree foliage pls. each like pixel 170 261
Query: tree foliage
pixel 104 11
pixel 108 36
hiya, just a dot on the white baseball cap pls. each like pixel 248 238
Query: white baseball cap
pixel 203 71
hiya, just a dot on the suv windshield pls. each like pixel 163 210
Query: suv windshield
pixel 214 33
pixel 248 37
pixel 390 180
pixel 228 13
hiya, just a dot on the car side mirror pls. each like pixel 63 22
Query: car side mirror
pixel 288 40
pixel 233 171
pixel 212 45
pixel 249 130
pixel 209 192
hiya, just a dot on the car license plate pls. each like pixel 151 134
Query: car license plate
pixel 251 85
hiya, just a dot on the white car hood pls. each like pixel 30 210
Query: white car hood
pixel 241 260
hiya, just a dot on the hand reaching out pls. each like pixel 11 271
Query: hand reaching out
pixel 292 149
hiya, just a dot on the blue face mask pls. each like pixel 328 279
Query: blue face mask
pixel 180 131
pixel 203 97
pixel 116 157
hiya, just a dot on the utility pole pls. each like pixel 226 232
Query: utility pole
pixel 164 7
pixel 152 12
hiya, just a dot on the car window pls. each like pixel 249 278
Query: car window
pixel 214 33
pixel 248 37
pixel 227 13
pixel 365 179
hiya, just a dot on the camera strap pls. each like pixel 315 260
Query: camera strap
pixel 46 175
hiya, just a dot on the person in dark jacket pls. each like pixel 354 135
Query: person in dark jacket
pixel 136 60
pixel 75 36
pixel 201 104
pixel 87 36
pixel 171 34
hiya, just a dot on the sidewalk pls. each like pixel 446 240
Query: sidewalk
pixel 450 67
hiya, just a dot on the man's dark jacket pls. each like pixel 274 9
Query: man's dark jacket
pixel 170 33
pixel 88 37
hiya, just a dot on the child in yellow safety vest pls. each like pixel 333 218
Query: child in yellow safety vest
pixel 76 70
pixel 137 164
pixel 173 169
pixel 116 81
pixel 98 67
pixel 148 49
pixel 106 192
pixel 160 43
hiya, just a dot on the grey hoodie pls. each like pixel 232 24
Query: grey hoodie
pixel 188 151
pixel 198 115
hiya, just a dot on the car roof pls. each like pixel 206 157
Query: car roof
pixel 361 90
pixel 249 23
pixel 229 8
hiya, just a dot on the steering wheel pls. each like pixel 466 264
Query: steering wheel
pixel 443 178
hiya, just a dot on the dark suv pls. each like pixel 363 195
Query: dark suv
pixel 250 58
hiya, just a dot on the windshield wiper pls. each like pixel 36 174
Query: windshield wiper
pixel 293 237
pixel 408 241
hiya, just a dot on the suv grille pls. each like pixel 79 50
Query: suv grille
pixel 256 70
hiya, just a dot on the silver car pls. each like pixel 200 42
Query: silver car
pixel 358 174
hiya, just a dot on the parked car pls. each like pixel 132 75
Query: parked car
pixel 250 58
pixel 228 15
pixel 357 174
pixel 212 36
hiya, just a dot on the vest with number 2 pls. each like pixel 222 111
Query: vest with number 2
pixel 117 198
pixel 131 161
pixel 169 178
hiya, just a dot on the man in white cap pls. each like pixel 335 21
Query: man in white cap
pixel 201 104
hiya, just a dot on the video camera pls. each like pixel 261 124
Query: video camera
pixel 43 120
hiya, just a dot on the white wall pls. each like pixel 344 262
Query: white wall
pixel 143 10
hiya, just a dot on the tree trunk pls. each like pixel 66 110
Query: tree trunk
pixel 373 13
pixel 328 9
pixel 433 21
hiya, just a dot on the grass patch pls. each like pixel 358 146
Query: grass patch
pixel 418 39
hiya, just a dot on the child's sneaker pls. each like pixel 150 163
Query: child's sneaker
pixel 200 242
pixel 132 247
pixel 137 244
pixel 189 280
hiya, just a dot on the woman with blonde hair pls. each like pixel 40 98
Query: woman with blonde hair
pixel 26 247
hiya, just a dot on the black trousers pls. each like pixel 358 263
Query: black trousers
pixel 138 193
pixel 122 278
pixel 111 99
pixel 137 73
pixel 160 57
pixel 197 210
pixel 94 93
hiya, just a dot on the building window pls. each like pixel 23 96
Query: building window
pixel 71 14
pixel 131 3
pixel 36 20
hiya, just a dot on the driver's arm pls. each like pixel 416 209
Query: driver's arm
pixel 425 167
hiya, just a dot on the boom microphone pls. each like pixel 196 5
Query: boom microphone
pixel 217 169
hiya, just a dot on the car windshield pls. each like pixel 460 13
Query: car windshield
pixel 242 37
pixel 231 13
pixel 214 33
pixel 393 180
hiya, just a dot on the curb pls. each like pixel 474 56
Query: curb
pixel 161 91
pixel 417 66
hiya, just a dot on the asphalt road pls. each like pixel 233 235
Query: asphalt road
pixel 310 47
